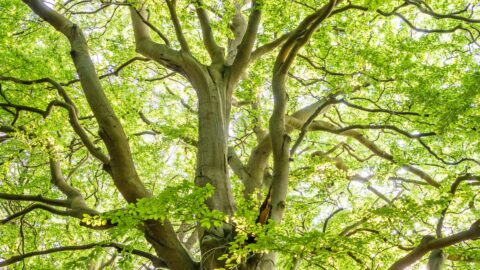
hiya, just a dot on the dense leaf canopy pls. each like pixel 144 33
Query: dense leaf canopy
pixel 381 108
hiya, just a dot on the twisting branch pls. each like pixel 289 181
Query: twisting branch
pixel 443 160
pixel 238 26
pixel 144 44
pixel 453 190
pixel 452 16
pixel 34 198
pixel 325 126
pixel 19 108
pixel 74 196
pixel 429 243
pixel 260 154
pixel 325 224
pixel 279 136
pixel 378 110
pixel 67 213
pixel 404 19
pixel 422 30
pixel 121 166
pixel 156 30
pixel 68 104
pixel 74 122
pixel 387 127
pixel 437 255
pixel 75 201
pixel 334 73
pixel 245 48
pixel 114 72
pixel 82 133
pixel 215 51
pixel 52 82
pixel 176 24
pixel 409 135
pixel 384 239
pixel 304 129
pixel 157 262
pixel 268 47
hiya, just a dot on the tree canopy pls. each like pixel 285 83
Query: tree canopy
pixel 239 134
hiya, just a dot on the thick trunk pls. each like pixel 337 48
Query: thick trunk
pixel 212 142
pixel 212 163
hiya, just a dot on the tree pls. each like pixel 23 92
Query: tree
pixel 239 134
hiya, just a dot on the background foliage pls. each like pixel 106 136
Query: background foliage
pixel 348 207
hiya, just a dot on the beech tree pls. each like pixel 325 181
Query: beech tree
pixel 239 134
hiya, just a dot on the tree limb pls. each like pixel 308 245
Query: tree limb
pixel 245 48
pixel 215 51
pixel 55 84
pixel 155 260
pixel 435 15
pixel 429 244
pixel 156 30
pixel 34 198
pixel 67 213
pixel 147 47
pixel 236 165
pixel 268 47
pixel 325 223
pixel 116 71
pixel 176 24
pixel 325 126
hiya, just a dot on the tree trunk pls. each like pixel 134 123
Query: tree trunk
pixel 212 163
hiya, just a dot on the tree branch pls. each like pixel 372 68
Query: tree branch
pixel 245 48
pixel 67 213
pixel 156 30
pixel 378 110
pixel 55 84
pixel 325 126
pixel 258 159
pixel 428 244
pixel 304 129
pixel 215 51
pixel 325 224
pixel 157 262
pixel 74 196
pixel 453 190
pixel 34 198
pixel 435 15
pixel 147 47
pixel 176 24
pixel 443 160
pixel 238 26
pixel 236 165
pixel 116 71
pixel 268 47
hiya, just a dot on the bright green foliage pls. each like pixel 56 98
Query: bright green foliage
pixel 183 202
pixel 371 60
